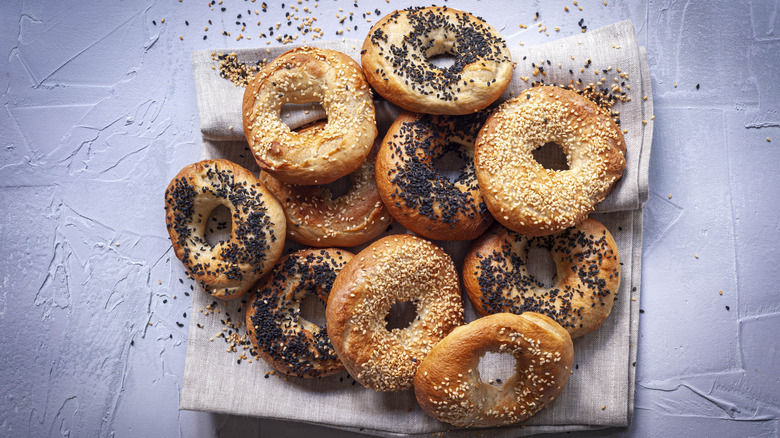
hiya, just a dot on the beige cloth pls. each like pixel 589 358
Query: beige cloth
pixel 601 389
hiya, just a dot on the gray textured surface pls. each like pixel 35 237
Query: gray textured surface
pixel 99 114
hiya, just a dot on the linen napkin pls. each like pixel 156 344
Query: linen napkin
pixel 600 392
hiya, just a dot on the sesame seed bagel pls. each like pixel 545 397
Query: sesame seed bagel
pixel 520 192
pixel 496 278
pixel 448 385
pixel 421 198
pixel 229 268
pixel 288 342
pixel 315 218
pixel 307 75
pixel 394 269
pixel 397 55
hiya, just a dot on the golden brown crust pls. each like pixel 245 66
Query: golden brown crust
pixel 481 72
pixel 307 75
pixel 587 277
pixel 523 195
pixel 314 218
pixel 417 195
pixel 398 268
pixel 448 386
pixel 228 269
pixel 281 336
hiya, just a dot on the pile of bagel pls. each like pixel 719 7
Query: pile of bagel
pixel 500 199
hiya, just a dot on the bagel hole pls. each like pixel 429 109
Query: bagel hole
pixel 339 188
pixel 450 164
pixel 551 157
pixel 541 266
pixel 313 310
pixel 298 115
pixel 442 60
pixel 401 315
pixel 496 368
pixel 218 226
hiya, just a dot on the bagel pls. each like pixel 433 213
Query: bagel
pixel 533 200
pixel 397 55
pixel 314 218
pixel 395 269
pixel 587 278
pixel 448 387
pixel 418 196
pixel 229 268
pixel 281 336
pixel 306 75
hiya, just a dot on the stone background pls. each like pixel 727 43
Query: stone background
pixel 99 113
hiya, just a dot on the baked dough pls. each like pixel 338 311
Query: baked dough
pixel 307 75
pixel 397 55
pixel 448 386
pixel 533 200
pixel 395 269
pixel 229 268
pixel 587 278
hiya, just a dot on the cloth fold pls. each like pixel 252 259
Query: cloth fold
pixel 601 389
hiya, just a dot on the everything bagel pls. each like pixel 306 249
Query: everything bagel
pixel 419 196
pixel 229 268
pixel 281 336
pixel 496 278
pixel 397 52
